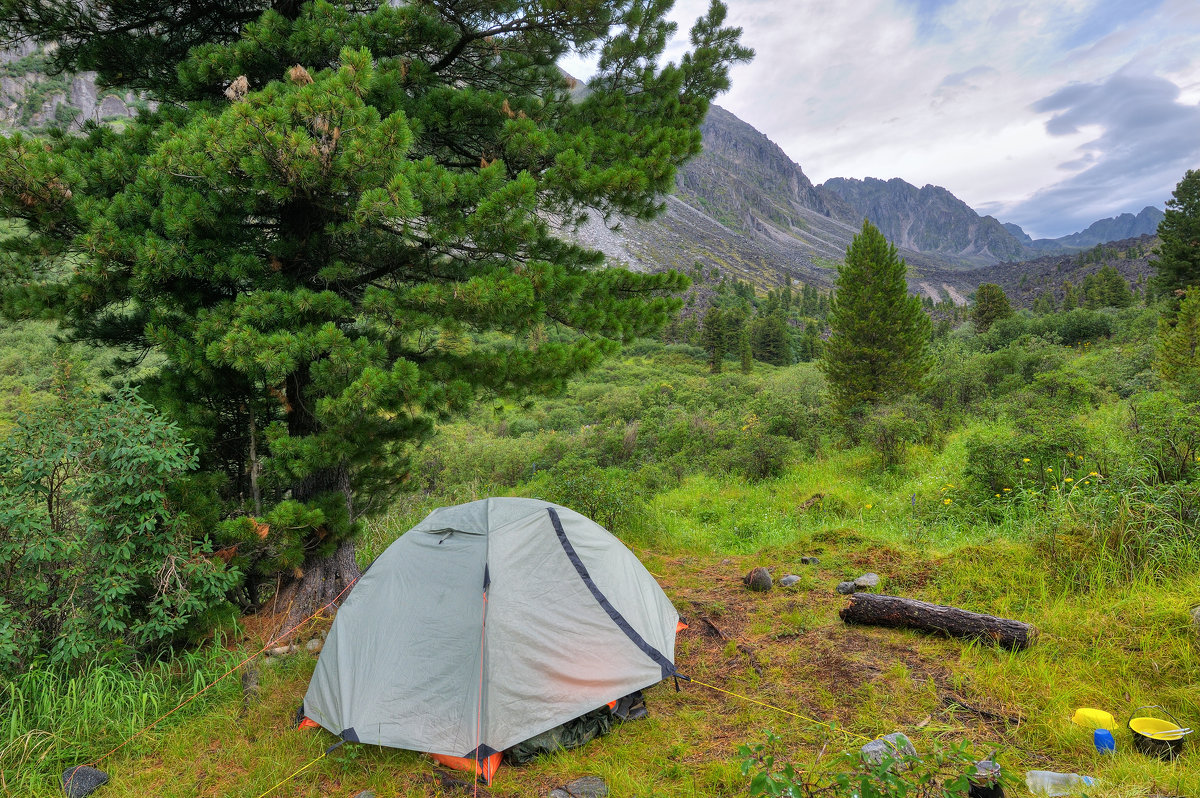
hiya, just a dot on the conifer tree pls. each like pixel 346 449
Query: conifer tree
pixel 1177 264
pixel 991 303
pixel 334 227
pixel 1178 352
pixel 1070 300
pixel 744 351
pixel 713 337
pixel 878 348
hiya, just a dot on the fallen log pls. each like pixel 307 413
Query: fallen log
pixel 876 610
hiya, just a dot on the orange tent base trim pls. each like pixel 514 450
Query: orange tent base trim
pixel 485 767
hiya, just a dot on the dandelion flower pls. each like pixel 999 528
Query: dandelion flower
pixel 946 501
pixel 1069 479
pixel 1049 469
pixel 1008 490
pixel 997 495
pixel 866 507
pixel 1085 482
pixel 1054 487
pixel 1093 474
pixel 1024 459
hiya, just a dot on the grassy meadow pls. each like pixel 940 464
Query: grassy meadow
pixel 1026 482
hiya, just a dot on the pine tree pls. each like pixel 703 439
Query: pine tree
pixel 333 228
pixel 744 352
pixel 1177 265
pixel 1070 300
pixel 991 304
pixel 713 337
pixel 878 349
pixel 1113 290
pixel 1178 355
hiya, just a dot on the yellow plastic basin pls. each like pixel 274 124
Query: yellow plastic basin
pixel 1156 728
pixel 1094 718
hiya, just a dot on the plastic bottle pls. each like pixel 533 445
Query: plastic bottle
pixel 1047 782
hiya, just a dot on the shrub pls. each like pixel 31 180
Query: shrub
pixel 890 428
pixel 95 557
pixel 609 496
pixel 942 772
pixel 1167 431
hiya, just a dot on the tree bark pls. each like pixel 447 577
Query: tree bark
pixel 875 610
pixel 321 582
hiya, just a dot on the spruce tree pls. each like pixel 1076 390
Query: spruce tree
pixel 878 348
pixel 335 226
pixel 1177 263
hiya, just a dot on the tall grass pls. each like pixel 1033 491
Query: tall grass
pixel 52 719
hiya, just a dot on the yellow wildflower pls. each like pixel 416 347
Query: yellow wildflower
pixel 946 501
pixel 1068 479
pixel 868 507
pixel 1024 459
pixel 1008 490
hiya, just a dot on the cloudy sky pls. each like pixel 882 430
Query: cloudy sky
pixel 1048 113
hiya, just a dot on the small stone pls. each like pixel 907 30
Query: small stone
pixel 846 588
pixel 810 560
pixel 867 581
pixel 1196 619
pixel 82 781
pixel 314 645
pixel 585 787
pixel 726 561
pixel 895 745
pixel 758 580
pixel 789 580
pixel 364 794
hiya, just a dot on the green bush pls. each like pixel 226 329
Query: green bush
pixel 889 430
pixel 609 496
pixel 96 559
pixel 944 772
pixel 1167 431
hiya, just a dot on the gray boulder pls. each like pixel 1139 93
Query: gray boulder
pixel 759 579
pixel 586 787
pixel 845 588
pixel 789 580
pixel 867 581
pixel 810 560
pixel 892 745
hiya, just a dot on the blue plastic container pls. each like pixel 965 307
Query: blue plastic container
pixel 1104 741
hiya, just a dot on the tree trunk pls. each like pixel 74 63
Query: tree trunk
pixel 320 581
pixel 891 611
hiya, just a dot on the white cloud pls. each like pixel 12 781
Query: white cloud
pixel 947 93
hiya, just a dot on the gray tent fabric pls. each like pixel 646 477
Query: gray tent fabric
pixel 486 624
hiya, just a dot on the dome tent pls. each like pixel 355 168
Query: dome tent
pixel 486 624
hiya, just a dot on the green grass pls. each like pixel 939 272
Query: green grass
pixel 1106 573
